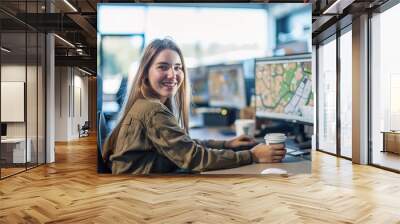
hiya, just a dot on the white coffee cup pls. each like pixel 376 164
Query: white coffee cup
pixel 245 126
pixel 275 138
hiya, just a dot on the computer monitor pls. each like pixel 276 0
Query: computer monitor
pixel 226 85
pixel 199 84
pixel 284 88
pixel 3 129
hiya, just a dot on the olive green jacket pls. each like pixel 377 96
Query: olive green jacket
pixel 151 141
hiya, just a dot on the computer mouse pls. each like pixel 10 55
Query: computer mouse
pixel 274 171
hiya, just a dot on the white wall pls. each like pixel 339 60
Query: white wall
pixel 70 83
pixel 33 126
pixel 62 81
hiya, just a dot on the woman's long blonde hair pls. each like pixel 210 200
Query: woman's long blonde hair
pixel 141 89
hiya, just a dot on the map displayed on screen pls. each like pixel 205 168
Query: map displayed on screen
pixel 284 90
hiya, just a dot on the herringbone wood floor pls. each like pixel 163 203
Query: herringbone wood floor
pixel 70 191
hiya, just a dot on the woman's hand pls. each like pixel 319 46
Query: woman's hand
pixel 263 153
pixel 242 140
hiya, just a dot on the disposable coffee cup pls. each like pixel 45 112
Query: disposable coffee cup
pixel 245 126
pixel 275 138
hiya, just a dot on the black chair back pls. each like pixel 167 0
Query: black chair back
pixel 102 133
pixel 86 125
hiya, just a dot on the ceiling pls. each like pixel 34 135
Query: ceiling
pixel 330 15
pixel 76 20
pixel 76 24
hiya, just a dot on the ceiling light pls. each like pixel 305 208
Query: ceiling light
pixel 64 40
pixel 5 49
pixel 70 5
pixel 337 7
pixel 84 71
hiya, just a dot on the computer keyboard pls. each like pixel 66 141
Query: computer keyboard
pixel 291 159
pixel 227 132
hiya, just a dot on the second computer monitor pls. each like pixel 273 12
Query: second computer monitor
pixel 226 86
pixel 284 88
pixel 3 129
pixel 199 84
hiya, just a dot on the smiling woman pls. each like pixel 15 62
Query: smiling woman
pixel 149 138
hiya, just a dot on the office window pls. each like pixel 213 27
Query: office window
pixel 327 96
pixel 346 94
pixel 385 84
pixel 119 64
pixel 208 36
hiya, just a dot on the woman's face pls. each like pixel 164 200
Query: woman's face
pixel 166 74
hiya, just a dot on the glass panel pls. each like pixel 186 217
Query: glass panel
pixel 22 68
pixel 120 56
pixel 385 89
pixel 31 85
pixel 346 94
pixel 13 86
pixel 41 99
pixel 327 97
pixel 41 89
pixel 31 97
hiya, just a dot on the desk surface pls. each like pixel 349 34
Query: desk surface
pixel 13 140
pixel 301 166
pixel 391 132
pixel 292 164
pixel 208 133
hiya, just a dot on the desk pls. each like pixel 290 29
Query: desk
pixel 292 164
pixel 208 133
pixel 13 150
pixel 391 141
pixel 301 166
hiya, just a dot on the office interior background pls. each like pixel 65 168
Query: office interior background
pixel 232 71
pixel 47 81
pixel 354 64
pixel 357 114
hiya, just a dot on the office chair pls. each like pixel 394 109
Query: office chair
pixel 102 133
pixel 84 130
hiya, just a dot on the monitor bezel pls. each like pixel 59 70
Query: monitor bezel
pixel 3 129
